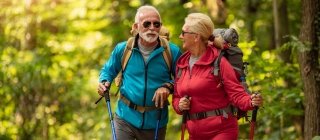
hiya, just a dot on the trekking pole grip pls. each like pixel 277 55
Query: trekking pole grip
pixel 255 111
pixel 104 94
pixel 185 113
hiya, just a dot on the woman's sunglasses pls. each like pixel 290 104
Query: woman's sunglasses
pixel 147 24
pixel 183 32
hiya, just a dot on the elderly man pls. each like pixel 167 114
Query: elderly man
pixel 146 80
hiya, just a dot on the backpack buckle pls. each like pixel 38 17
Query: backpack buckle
pixel 133 106
pixel 201 115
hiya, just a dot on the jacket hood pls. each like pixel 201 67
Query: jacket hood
pixel 206 59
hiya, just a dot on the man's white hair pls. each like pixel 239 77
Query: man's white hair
pixel 143 9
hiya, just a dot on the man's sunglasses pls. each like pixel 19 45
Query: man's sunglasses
pixel 183 32
pixel 147 24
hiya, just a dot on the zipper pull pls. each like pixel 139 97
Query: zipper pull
pixel 219 85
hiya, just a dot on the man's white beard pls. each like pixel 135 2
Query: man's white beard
pixel 147 38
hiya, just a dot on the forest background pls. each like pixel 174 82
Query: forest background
pixel 51 52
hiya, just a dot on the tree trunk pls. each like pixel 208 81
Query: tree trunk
pixel 252 9
pixel 30 39
pixel 217 10
pixel 276 22
pixel 281 28
pixel 309 67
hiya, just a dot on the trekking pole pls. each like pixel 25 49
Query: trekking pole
pixel 183 126
pixel 253 121
pixel 158 123
pixel 255 110
pixel 184 121
pixel 107 98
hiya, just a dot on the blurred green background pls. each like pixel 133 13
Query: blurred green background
pixel 51 52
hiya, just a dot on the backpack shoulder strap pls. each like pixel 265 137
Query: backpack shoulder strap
pixel 167 52
pixel 216 64
pixel 124 61
pixel 216 68
pixel 127 53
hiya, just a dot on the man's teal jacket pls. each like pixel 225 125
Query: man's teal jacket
pixel 139 82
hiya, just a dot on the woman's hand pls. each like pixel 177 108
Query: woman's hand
pixel 256 100
pixel 184 103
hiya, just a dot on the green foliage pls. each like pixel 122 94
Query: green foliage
pixel 51 52
pixel 283 107
pixel 316 138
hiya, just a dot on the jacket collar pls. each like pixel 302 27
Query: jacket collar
pixel 207 58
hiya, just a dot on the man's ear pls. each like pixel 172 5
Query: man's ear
pixel 135 26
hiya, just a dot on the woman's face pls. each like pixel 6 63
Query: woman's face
pixel 187 37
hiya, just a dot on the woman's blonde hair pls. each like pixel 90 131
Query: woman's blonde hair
pixel 202 24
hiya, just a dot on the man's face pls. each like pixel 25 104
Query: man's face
pixel 149 26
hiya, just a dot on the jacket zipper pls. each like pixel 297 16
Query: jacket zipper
pixel 145 90
pixel 190 72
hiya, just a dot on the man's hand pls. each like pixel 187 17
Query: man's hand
pixel 103 87
pixel 160 96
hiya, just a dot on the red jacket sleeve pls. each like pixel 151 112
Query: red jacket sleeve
pixel 235 91
pixel 176 99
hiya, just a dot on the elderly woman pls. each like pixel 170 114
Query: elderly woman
pixel 196 88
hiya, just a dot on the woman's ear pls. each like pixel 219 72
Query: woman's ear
pixel 197 37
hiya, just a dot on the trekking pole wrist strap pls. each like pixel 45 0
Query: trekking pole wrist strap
pixel 168 86
pixel 103 81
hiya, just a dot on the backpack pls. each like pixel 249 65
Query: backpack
pixel 127 53
pixel 234 55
